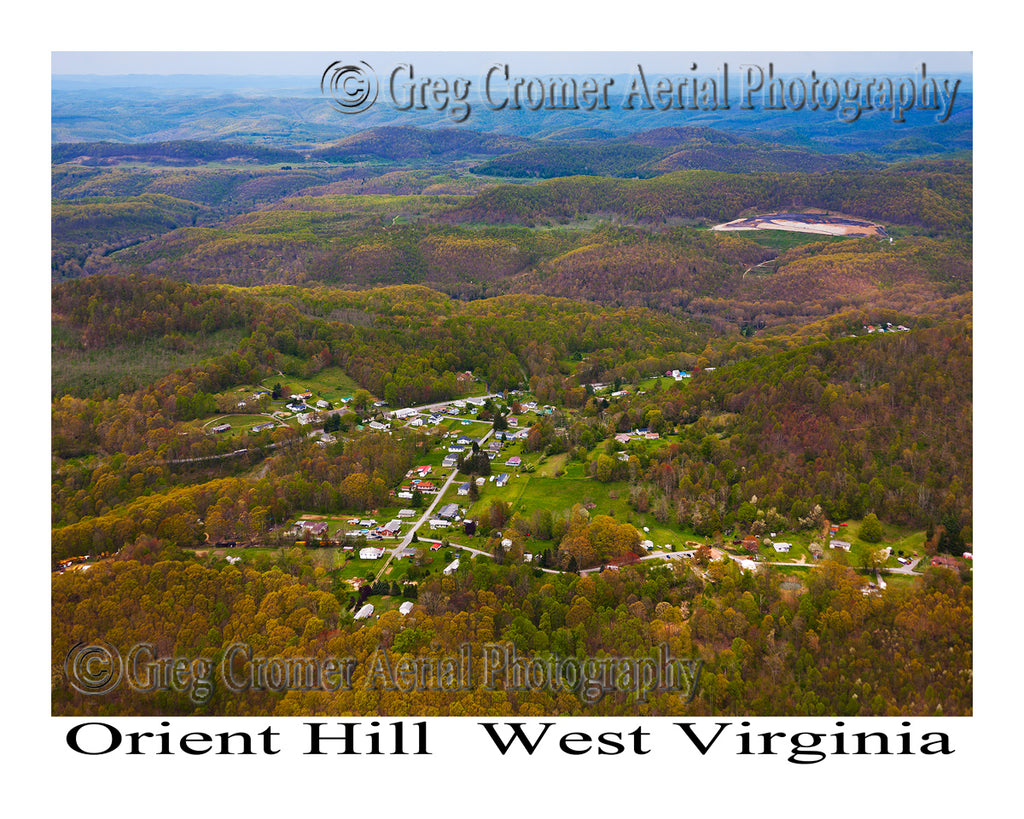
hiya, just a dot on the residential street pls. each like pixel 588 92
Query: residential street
pixel 407 539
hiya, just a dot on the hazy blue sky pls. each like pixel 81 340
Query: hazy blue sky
pixel 615 62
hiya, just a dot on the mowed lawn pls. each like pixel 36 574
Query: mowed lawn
pixel 474 429
pixel 239 423
pixel 529 492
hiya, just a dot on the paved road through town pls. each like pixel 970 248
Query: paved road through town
pixel 424 518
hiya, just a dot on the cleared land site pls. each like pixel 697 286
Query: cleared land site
pixel 806 223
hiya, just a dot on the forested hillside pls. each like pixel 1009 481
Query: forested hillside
pixel 635 242
pixel 650 153
pixel 936 198
pixel 828 651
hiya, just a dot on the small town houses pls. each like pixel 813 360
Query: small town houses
pixel 638 434
pixel 885 327
pixel 450 511
pixel 311 528
pixel 423 487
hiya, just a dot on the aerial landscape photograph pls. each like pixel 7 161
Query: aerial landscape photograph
pixel 512 384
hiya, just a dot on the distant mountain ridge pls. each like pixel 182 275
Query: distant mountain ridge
pixel 644 154
pixel 406 142
pixel 662 150
pixel 291 112
pixel 176 152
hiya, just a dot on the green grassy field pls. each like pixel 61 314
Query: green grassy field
pixel 331 383
pixel 551 467
pixel 660 383
pixel 527 492
pixel 476 388
pixel 239 423
pixel 783 240
pixel 434 459
pixel 909 541
pixel 474 429
pixel 900 581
